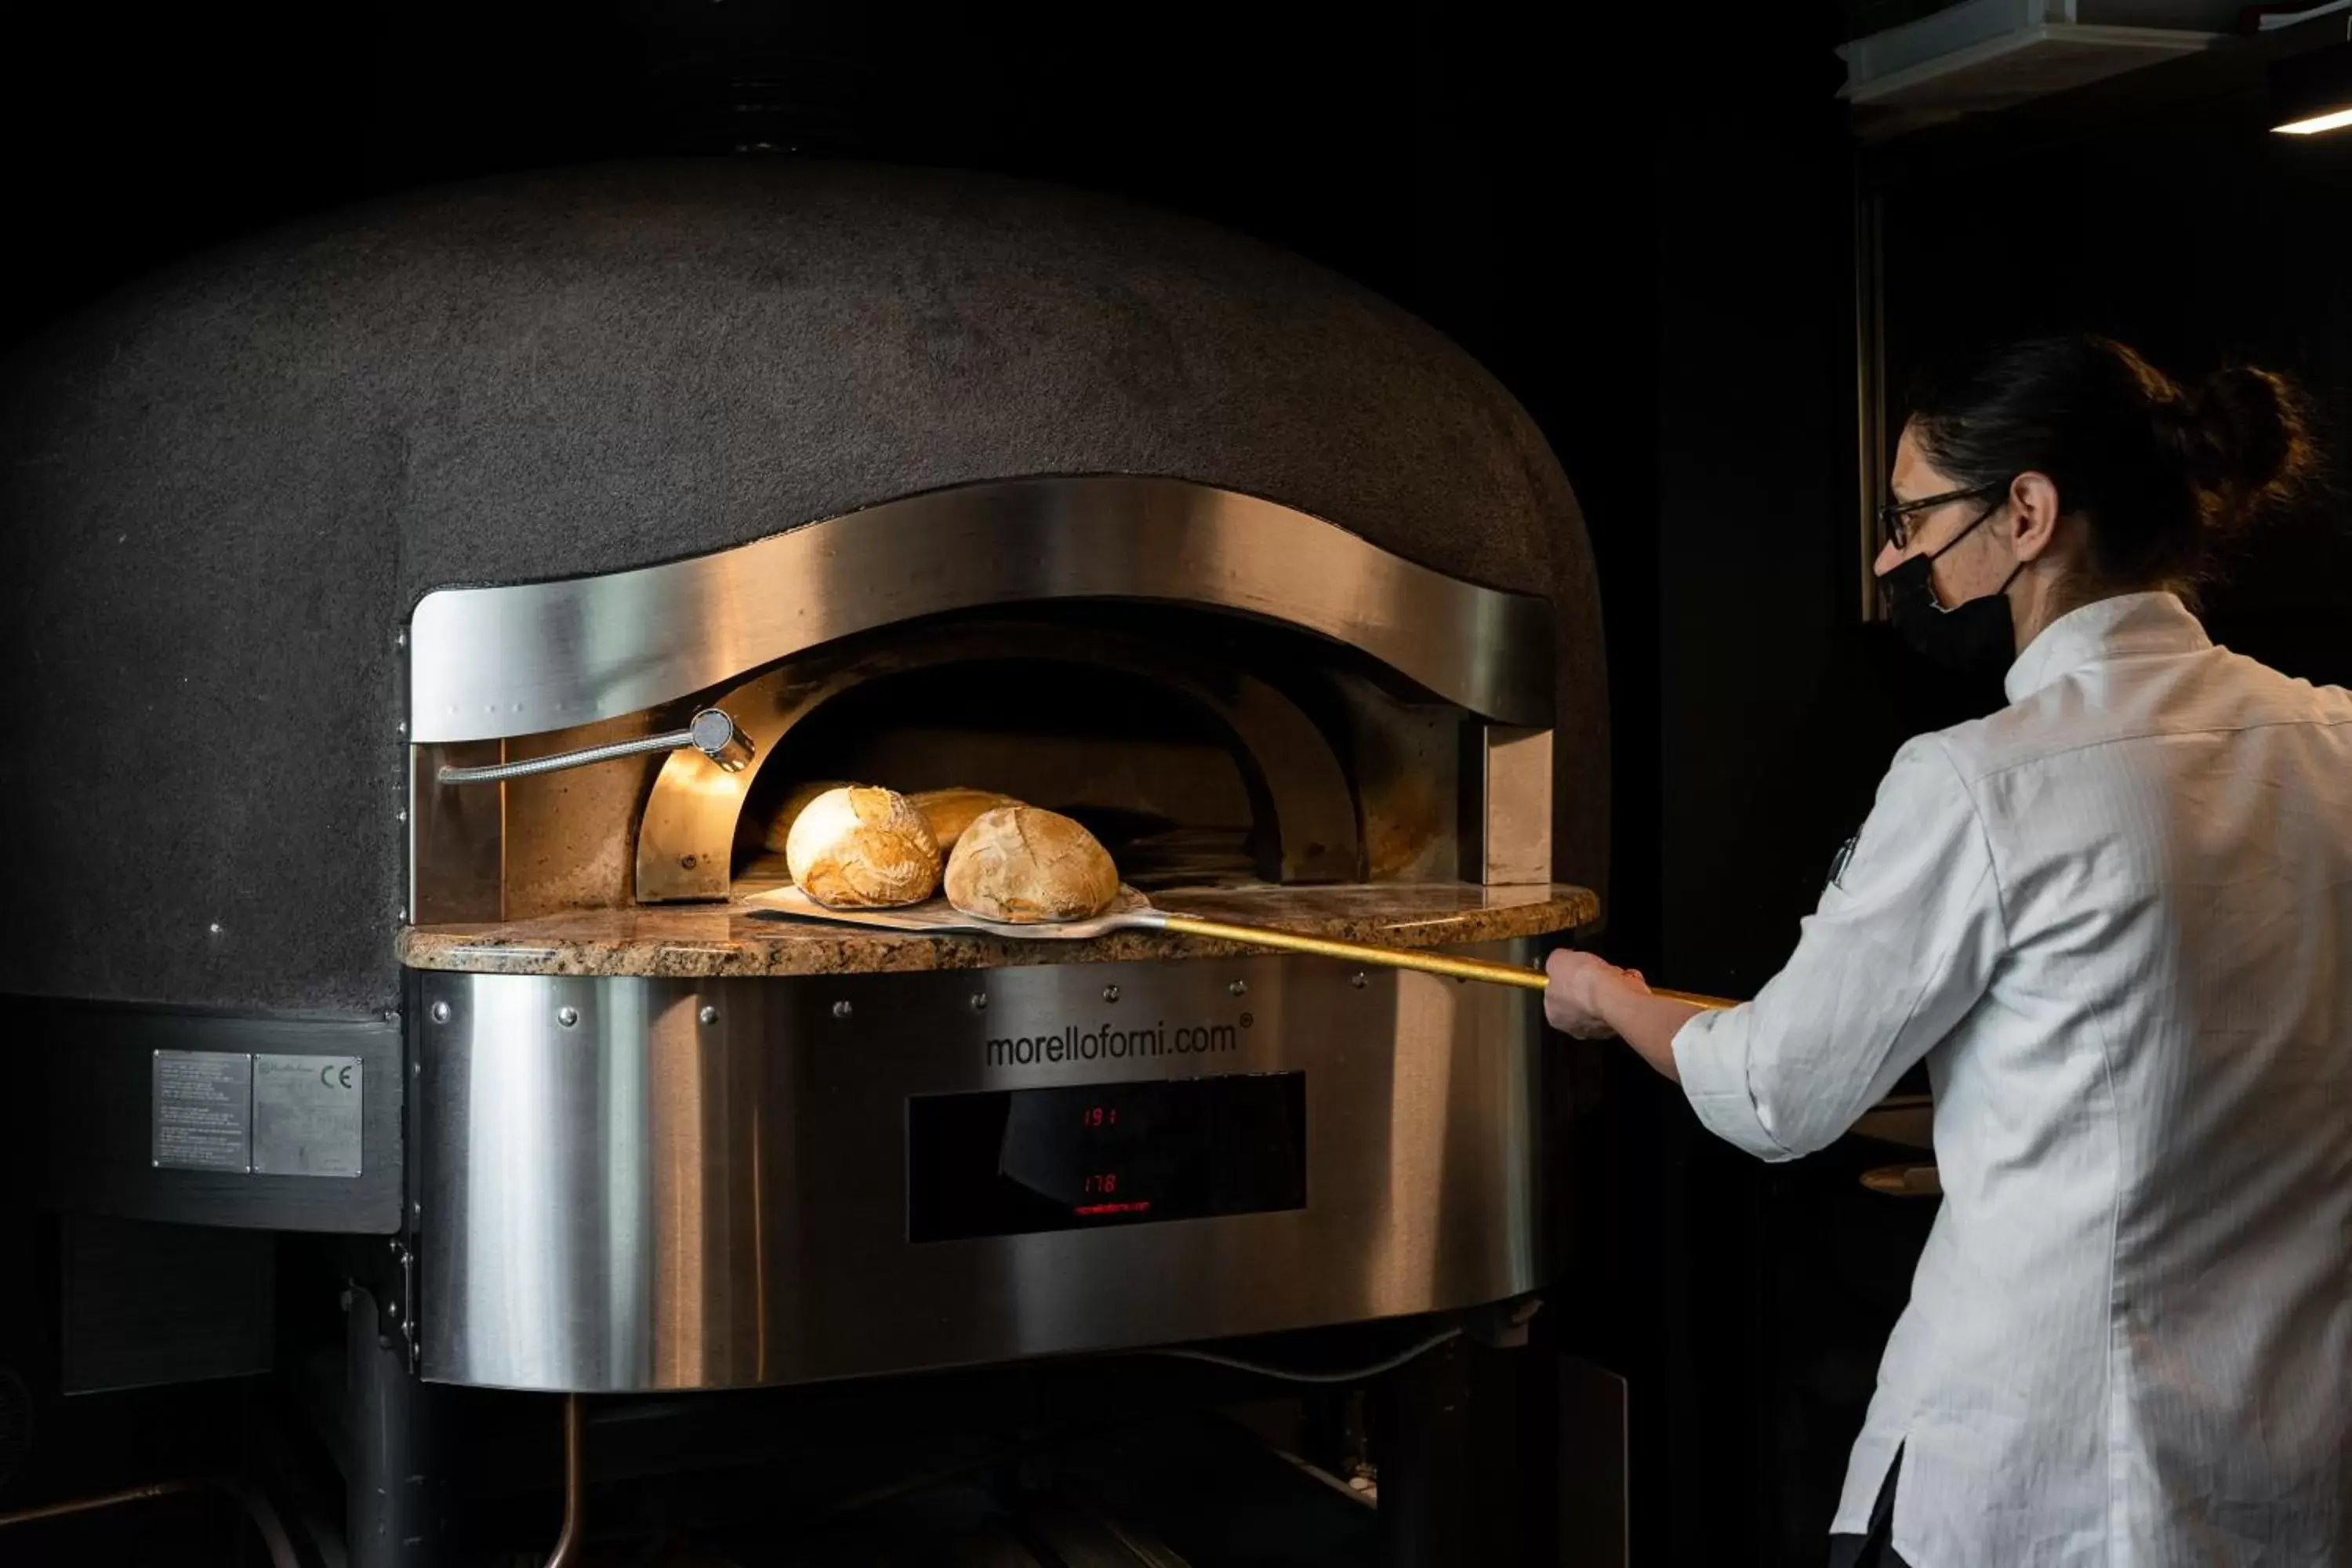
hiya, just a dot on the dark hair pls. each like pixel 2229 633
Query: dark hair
pixel 2158 472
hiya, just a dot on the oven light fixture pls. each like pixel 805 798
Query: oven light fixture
pixel 2336 120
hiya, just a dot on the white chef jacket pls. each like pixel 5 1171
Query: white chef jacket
pixel 2115 919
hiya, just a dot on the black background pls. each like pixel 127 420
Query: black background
pixel 1641 219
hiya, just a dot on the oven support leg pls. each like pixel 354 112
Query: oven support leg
pixel 1421 1426
pixel 391 1517
pixel 568 1551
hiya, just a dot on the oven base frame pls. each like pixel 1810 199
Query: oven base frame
pixel 701 1183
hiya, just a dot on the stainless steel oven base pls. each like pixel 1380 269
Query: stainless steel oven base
pixel 647 1183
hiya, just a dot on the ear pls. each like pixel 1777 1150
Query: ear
pixel 2033 514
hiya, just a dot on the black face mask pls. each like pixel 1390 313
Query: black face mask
pixel 1978 636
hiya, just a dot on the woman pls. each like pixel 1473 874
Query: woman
pixel 2115 920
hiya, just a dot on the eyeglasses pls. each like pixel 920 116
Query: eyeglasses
pixel 1895 516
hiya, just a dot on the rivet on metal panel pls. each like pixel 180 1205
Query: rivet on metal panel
pixel 685 862
pixel 980 1001
pixel 567 1016
pixel 400 639
pixel 1357 980
pixel 841 1009
pixel 708 1015
pixel 1110 992
pixel 440 1012
pixel 400 815
pixel 1238 988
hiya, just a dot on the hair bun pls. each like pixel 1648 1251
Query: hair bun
pixel 2158 474
pixel 2256 430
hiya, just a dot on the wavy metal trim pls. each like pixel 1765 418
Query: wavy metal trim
pixel 491 663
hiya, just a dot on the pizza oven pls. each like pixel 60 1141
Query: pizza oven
pixel 463 583
pixel 662 1141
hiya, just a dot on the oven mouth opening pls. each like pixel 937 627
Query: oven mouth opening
pixel 1150 766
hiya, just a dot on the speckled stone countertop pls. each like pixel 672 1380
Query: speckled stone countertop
pixel 696 940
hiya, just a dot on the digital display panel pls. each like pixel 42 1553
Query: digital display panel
pixel 1014 1161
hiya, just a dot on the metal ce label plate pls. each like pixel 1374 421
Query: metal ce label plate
pixel 202 1113
pixel 306 1116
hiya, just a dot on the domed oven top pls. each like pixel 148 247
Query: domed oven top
pixel 226 491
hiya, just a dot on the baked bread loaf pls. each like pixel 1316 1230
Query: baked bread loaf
pixel 780 826
pixel 860 848
pixel 951 811
pixel 1027 867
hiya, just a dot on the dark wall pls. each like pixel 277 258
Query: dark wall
pixel 1758 1297
pixel 2158 209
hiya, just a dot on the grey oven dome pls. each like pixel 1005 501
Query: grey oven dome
pixel 222 490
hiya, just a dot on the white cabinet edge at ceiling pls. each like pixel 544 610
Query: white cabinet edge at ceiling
pixel 1997 48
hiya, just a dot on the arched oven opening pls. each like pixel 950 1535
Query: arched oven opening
pixel 1202 751
pixel 1151 765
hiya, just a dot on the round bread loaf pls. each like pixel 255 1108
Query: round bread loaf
pixel 860 848
pixel 778 838
pixel 951 811
pixel 1027 867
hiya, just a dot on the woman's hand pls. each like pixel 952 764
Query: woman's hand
pixel 1592 1000
pixel 1577 1001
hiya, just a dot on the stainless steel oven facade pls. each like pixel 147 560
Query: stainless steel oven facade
pixel 654 1183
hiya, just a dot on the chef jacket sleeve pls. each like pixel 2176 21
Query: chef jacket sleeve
pixel 1902 944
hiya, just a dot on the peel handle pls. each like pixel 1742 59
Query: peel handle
pixel 1386 957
